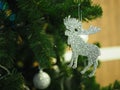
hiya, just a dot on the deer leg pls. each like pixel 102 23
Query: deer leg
pixel 95 64
pixel 72 59
pixel 88 66
pixel 75 61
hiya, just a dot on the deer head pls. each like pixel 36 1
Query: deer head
pixel 72 23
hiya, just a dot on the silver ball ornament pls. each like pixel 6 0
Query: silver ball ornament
pixel 41 80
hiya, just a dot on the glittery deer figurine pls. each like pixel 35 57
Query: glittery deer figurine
pixel 79 46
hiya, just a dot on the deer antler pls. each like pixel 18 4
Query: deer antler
pixel 72 23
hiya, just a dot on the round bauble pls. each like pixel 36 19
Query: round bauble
pixel 41 80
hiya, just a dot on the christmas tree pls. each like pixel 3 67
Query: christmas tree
pixel 32 45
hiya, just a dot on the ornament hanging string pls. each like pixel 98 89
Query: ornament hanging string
pixel 79 11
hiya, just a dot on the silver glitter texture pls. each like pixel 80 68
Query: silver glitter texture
pixel 79 46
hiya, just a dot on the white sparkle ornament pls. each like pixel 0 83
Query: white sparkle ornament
pixel 79 46
pixel 41 80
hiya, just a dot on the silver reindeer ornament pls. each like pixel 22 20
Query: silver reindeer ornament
pixel 74 31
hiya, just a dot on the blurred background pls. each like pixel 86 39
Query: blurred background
pixel 108 37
